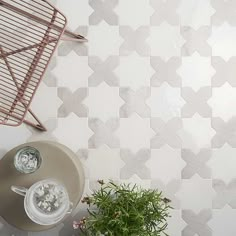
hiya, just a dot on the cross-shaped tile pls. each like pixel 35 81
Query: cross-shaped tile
pixel 103 71
pixel 225 11
pixel 103 133
pixel 225 194
pixel 166 133
pixel 72 102
pixel 169 190
pixel 197 223
pixel 135 164
pixel 164 11
pixel 103 10
pixel 81 49
pixel 196 163
pixel 135 102
pixel 134 40
pixel 225 132
pixel 196 102
pixel 224 71
pixel 165 71
pixel 196 41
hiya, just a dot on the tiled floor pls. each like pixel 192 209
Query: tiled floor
pixel 149 99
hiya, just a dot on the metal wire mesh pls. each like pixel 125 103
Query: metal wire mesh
pixel 29 33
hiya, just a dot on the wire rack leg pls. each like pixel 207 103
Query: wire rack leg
pixel 37 125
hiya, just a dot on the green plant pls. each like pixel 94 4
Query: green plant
pixel 125 210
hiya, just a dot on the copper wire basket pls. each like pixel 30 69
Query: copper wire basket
pixel 29 33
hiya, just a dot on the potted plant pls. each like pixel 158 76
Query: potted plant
pixel 124 210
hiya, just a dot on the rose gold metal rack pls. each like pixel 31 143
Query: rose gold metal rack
pixel 29 33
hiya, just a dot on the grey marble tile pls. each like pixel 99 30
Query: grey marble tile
pixel 197 223
pixel 224 12
pixel 81 49
pixel 135 101
pixel 135 164
pixel 72 102
pixel 166 133
pixel 103 70
pixel 225 194
pixel 225 132
pixel 196 163
pixel 134 40
pixel 196 102
pixel 224 71
pixel 103 11
pixel 165 11
pixel 103 133
pixel 196 41
pixel 165 71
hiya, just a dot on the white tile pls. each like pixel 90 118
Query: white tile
pixel 103 102
pixel 222 41
pixel 77 12
pixel 104 163
pixel 135 132
pixel 165 41
pixel 196 133
pixel 223 102
pixel 196 194
pixel 134 71
pixel 165 102
pixel 175 223
pixel 134 12
pixel 223 163
pixel 45 102
pixel 196 71
pixel 166 164
pixel 72 71
pixel 195 13
pixel 104 40
pixel 223 222
pixel 73 132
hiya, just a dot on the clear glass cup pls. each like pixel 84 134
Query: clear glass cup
pixel 46 202
pixel 27 160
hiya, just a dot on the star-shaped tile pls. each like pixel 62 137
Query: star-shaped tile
pixel 135 133
pixel 134 71
pixel 196 133
pixel 73 132
pixel 223 159
pixel 195 13
pixel 100 159
pixel 165 41
pixel 165 102
pixel 103 102
pixel 104 40
pixel 160 164
pixel 133 12
pixel 77 12
pixel 196 71
pixel 196 193
pixel 222 41
pixel 45 102
pixel 223 101
pixel 226 215
pixel 72 71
